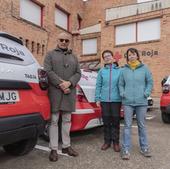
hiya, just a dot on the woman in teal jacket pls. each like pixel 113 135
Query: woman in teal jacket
pixel 107 96
pixel 135 85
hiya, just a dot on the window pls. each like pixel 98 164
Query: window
pixel 126 34
pixel 31 11
pixel 38 48
pixel 33 47
pixel 43 49
pixel 27 43
pixel 89 46
pixel 140 1
pixel 149 30
pixel 138 32
pixel 79 19
pixel 61 18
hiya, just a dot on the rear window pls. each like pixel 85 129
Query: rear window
pixel 14 53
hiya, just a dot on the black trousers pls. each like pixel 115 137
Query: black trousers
pixel 111 120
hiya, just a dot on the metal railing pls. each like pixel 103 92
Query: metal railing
pixel 135 9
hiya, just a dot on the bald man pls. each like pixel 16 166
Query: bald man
pixel 63 73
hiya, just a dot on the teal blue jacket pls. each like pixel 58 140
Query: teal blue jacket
pixel 107 84
pixel 135 85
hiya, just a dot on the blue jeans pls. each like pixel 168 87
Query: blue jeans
pixel 128 117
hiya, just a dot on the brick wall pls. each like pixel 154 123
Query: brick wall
pixel 42 39
pixel 38 39
pixel 156 54
pixel 94 10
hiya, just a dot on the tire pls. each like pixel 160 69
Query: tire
pixel 45 134
pixel 21 147
pixel 148 109
pixel 165 117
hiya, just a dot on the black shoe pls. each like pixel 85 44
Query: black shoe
pixel 69 151
pixel 53 156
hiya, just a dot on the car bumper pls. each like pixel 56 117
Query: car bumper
pixel 15 128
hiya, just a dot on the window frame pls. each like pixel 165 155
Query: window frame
pixel 87 54
pixel 66 13
pixel 79 20
pixel 149 39
pixel 134 33
pixel 137 42
pixel 41 13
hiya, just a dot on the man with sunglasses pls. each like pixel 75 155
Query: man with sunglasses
pixel 64 73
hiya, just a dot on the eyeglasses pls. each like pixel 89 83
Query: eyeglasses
pixel 66 40
pixel 107 56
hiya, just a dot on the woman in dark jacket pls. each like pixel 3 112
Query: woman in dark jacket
pixel 107 96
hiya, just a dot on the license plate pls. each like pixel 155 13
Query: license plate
pixel 9 96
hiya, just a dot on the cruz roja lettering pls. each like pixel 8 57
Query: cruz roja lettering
pixel 11 49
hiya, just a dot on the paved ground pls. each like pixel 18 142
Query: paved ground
pixel 156 102
pixel 88 144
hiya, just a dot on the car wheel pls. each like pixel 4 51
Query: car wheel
pixel 21 147
pixel 45 135
pixel 165 117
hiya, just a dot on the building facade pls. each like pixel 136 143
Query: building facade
pixel 93 26
pixel 38 22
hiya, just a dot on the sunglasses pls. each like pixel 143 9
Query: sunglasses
pixel 66 40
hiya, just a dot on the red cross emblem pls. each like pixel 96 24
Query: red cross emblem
pixel 117 56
